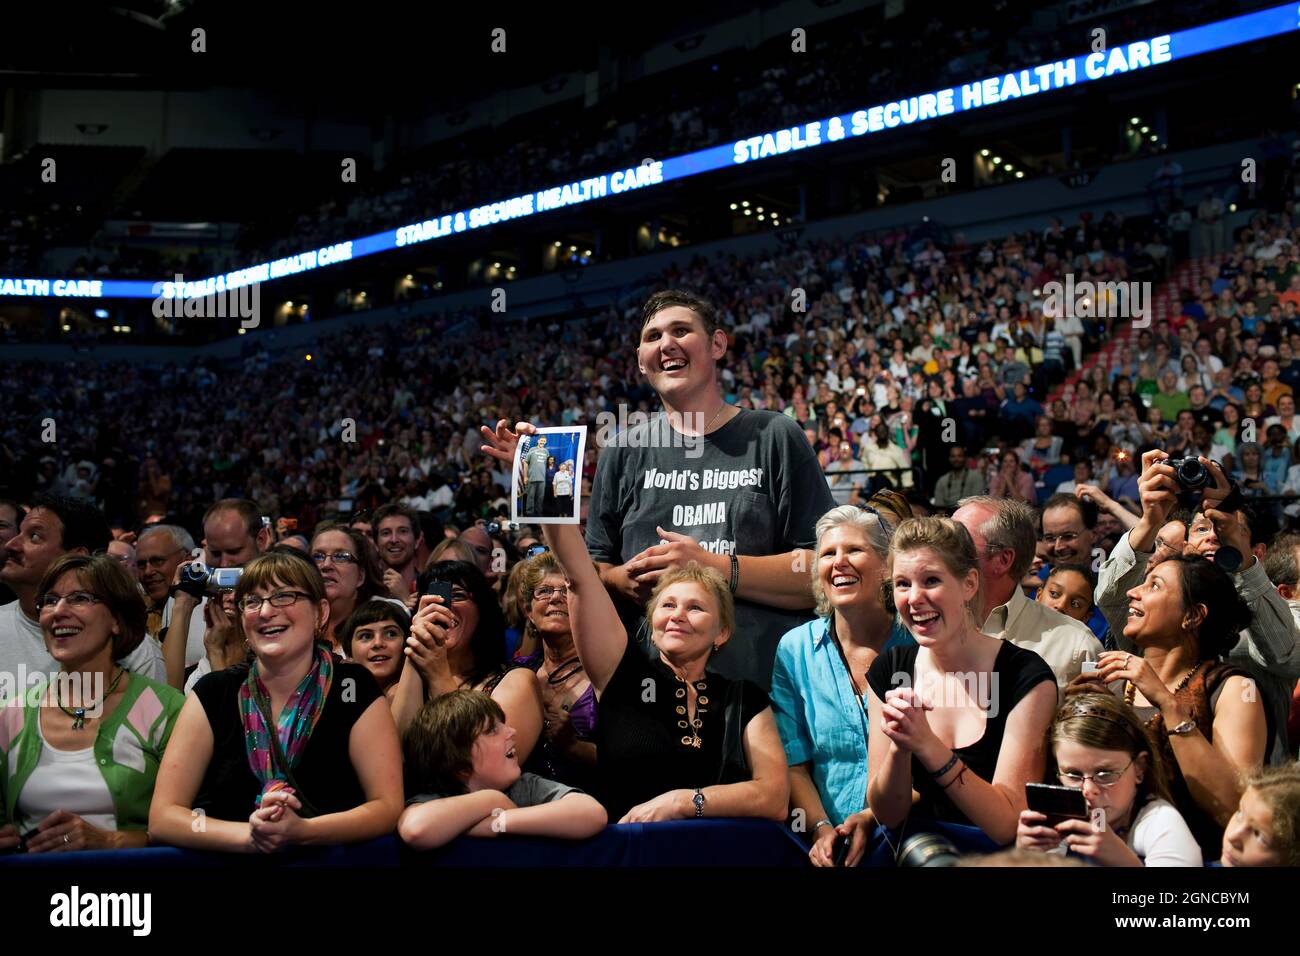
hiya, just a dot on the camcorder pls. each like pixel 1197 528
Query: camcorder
pixel 199 581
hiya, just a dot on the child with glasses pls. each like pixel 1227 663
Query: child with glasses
pixel 1100 745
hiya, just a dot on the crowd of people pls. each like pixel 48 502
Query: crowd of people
pixel 730 641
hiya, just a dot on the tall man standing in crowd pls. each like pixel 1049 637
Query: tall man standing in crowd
pixel 54 526
pixel 233 534
pixel 397 535
pixel 733 489
pixel 534 462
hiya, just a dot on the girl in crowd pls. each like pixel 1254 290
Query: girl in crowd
pixel 1011 480
pixel 567 752
pixel 701 745
pixel 462 645
pixel 274 753
pixel 1265 830
pixel 1069 589
pixel 820 677
pixel 462 764
pixel 936 729
pixel 349 566
pixel 374 635
pixel 1101 746
pixel 78 759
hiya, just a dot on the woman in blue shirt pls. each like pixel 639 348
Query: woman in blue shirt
pixel 820 677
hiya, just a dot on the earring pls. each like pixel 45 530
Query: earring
pixel 716 648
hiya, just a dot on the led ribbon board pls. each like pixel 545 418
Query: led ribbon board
pixel 910 111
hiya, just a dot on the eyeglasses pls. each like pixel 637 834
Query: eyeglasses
pixel 545 592
pixel 157 561
pixel 1102 778
pixel 1068 538
pixel 252 603
pixel 74 599
pixel 338 557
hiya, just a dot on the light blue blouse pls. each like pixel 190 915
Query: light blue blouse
pixel 820 719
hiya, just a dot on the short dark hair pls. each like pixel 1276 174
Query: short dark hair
pixel 247 508
pixel 372 612
pixel 84 525
pixel 1087 509
pixel 438 747
pixel 19 512
pixel 390 509
pixel 679 297
pixel 1080 569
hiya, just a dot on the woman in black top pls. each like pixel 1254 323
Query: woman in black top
pixel 673 739
pixel 962 717
pixel 331 771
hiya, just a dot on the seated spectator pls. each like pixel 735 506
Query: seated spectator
pixel 1208 723
pixel 463 645
pixel 1003 532
pixel 1068 589
pixel 1265 830
pixel 332 771
pixel 374 636
pixel 567 750
pixel 1269 649
pixel 892 464
pixel 668 755
pixel 350 568
pixel 462 764
pixel 819 680
pixel 78 757
pixel 1044 449
pixel 1249 472
pixel 915 729
pixel 1012 480
pixel 959 482
pixel 1101 746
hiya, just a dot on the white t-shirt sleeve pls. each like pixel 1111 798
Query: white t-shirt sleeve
pixel 203 668
pixel 147 660
pixel 1160 837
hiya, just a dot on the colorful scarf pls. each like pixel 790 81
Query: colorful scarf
pixel 298 719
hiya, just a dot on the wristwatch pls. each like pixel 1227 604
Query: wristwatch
pixel 698 800
pixel 1183 729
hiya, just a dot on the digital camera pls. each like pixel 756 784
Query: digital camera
pixel 1191 474
pixel 198 580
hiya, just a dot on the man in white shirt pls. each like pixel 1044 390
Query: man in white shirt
pixel 54 526
pixel 1004 531
pixel 160 550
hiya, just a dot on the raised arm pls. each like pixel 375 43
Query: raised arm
pixel 598 633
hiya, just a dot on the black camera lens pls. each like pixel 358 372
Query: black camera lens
pixel 1191 473
pixel 927 849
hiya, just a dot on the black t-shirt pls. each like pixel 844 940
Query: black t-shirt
pixel 639 731
pixel 325 771
pixel 752 487
pixel 1015 673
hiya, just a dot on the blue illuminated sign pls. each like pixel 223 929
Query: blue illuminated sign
pixel 911 111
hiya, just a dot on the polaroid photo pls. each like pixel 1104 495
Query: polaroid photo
pixel 547 477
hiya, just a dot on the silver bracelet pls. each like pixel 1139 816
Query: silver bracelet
pixel 822 823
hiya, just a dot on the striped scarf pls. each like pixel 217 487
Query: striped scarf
pixel 298 719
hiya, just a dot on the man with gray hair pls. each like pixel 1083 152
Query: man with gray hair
pixel 159 551
pixel 1004 531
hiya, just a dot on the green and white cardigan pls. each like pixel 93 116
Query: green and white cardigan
pixel 128 748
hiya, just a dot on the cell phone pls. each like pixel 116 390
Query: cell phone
pixel 290 524
pixel 1057 803
pixel 1090 667
pixel 442 589
pixel 840 850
